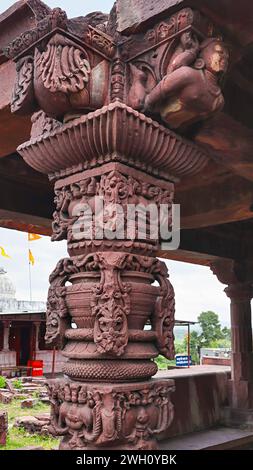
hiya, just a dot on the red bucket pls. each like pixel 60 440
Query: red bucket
pixel 37 368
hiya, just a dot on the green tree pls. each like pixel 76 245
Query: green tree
pixel 212 335
pixel 211 329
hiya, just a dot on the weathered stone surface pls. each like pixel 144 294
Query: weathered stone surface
pixel 132 13
pixel 9 386
pixel 29 403
pixel 3 427
pixel 34 424
pixel 6 397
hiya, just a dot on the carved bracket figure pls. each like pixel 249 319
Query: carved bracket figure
pixel 188 94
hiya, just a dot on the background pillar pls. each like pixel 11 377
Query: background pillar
pixel 237 276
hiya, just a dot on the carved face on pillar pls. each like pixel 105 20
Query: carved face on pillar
pixel 215 56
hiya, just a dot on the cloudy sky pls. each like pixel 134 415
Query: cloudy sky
pixel 196 288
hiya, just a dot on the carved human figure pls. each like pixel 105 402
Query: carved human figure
pixel 186 53
pixel 138 87
pixel 190 94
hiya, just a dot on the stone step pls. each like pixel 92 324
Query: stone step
pixel 222 438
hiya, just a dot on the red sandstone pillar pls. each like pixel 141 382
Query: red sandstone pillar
pixel 242 354
pixel 240 292
pixel 6 335
pixel 90 90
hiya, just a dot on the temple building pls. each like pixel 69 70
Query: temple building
pixel 22 330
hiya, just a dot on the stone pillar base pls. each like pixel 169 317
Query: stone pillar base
pixel 92 416
pixel 233 417
pixel 241 394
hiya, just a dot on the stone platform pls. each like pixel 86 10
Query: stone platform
pixel 215 439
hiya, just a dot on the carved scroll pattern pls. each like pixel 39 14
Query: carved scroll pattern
pixel 57 318
pixel 23 95
pixel 163 320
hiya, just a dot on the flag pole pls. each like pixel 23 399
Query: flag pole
pixel 30 272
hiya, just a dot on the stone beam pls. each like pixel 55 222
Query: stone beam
pixel 229 143
pixel 22 17
pixel 223 200
pixel 133 15
pixel 25 223
pixel 26 197
pixel 13 129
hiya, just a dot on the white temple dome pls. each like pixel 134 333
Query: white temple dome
pixel 7 288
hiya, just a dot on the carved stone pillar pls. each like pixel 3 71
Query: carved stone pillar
pixel 114 170
pixel 36 335
pixel 6 336
pixel 240 291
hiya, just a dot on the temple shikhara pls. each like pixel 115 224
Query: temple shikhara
pixel 148 106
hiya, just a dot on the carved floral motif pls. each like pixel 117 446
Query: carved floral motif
pixel 100 41
pixel 55 18
pixel 64 67
pixel 176 23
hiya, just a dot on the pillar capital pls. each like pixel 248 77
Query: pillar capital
pixel 234 273
pixel 240 292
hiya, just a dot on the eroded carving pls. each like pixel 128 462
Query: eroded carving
pixel 75 203
pixel 43 124
pixel 58 319
pixel 188 94
pixel 23 94
pixel 114 417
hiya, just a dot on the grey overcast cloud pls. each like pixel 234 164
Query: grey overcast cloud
pixel 196 287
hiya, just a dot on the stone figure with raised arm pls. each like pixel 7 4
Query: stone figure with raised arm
pixel 188 94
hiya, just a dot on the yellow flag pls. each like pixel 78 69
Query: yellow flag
pixel 31 258
pixel 3 253
pixel 33 236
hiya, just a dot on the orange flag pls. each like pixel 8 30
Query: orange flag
pixel 33 236
pixel 31 258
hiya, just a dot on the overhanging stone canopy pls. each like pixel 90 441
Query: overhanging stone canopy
pixel 130 109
